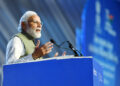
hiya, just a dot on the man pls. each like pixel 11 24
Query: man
pixel 21 47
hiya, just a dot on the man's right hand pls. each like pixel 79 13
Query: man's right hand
pixel 43 50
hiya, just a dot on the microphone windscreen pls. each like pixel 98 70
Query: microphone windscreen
pixel 51 40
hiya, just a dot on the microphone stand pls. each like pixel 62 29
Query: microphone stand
pixel 70 46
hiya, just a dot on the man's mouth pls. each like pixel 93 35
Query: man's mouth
pixel 37 30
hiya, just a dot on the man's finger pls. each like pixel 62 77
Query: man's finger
pixel 51 44
pixel 64 53
pixel 48 43
pixel 38 43
pixel 56 54
pixel 47 46
pixel 48 51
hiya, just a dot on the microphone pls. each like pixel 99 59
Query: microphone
pixel 51 40
pixel 74 50
pixel 70 46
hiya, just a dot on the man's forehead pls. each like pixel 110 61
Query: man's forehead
pixel 34 17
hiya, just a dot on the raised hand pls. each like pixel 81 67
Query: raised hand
pixel 43 50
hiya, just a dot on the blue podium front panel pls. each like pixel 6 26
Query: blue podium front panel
pixel 97 74
pixel 52 72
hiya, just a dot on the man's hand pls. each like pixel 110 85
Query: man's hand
pixel 56 54
pixel 43 50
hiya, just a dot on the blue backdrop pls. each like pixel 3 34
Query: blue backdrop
pixel 100 37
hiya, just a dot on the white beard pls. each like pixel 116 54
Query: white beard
pixel 33 32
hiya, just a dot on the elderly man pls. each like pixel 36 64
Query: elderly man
pixel 21 47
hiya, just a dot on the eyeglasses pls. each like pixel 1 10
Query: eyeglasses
pixel 36 22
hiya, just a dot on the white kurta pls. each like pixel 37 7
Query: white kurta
pixel 15 49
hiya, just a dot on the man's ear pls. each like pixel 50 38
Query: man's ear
pixel 24 26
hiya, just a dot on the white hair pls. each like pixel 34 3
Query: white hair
pixel 24 18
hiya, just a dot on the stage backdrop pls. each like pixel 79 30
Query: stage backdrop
pixel 59 17
pixel 100 37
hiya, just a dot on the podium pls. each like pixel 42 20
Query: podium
pixel 56 71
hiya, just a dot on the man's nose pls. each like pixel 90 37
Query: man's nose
pixel 39 25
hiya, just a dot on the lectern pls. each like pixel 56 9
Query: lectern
pixel 56 71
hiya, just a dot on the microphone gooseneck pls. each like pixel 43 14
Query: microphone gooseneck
pixel 70 46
